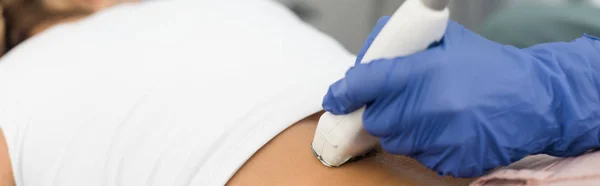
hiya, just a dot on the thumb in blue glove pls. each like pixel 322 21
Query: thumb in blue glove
pixel 469 105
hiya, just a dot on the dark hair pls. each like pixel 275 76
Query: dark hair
pixel 21 16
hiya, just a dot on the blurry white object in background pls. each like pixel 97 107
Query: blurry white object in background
pixel 350 21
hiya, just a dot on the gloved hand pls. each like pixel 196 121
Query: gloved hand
pixel 468 105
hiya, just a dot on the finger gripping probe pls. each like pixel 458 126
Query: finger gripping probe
pixel 412 28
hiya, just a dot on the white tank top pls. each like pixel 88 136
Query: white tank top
pixel 167 93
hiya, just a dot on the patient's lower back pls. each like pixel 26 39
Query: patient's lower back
pixel 287 160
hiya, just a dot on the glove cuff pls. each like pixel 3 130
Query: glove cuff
pixel 570 73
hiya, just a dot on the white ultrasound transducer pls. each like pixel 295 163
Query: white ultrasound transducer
pixel 412 28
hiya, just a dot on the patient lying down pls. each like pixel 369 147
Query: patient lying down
pixel 150 115
pixel 166 103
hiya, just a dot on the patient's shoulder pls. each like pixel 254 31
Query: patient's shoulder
pixel 287 160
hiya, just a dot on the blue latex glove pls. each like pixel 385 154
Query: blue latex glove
pixel 468 104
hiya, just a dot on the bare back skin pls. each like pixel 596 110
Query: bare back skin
pixel 6 173
pixel 287 160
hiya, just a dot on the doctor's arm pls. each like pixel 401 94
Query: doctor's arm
pixel 468 104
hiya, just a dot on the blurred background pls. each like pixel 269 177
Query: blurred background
pixel 350 21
